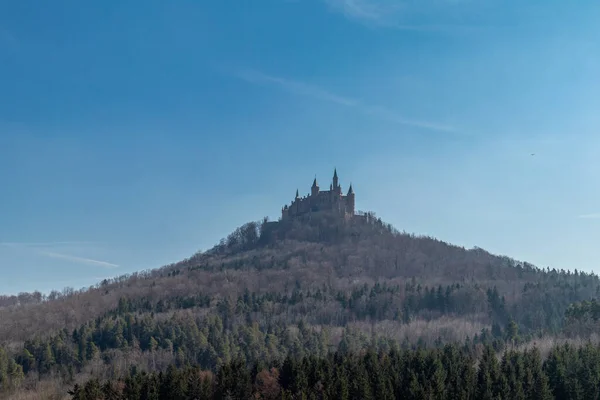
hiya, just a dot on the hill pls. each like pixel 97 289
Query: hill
pixel 295 287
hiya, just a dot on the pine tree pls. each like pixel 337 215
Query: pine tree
pixel 46 360
pixel 512 332
pixel 539 390
pixel 512 377
pixel 194 384
pixel 151 388
pixel 435 377
pixel 3 368
pixel 91 350
pixel 132 389
pixel 92 390
pixel 340 385
pixel 15 374
pixel 488 375
pixel 286 374
pixel 173 386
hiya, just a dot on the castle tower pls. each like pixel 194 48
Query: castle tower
pixel 350 200
pixel 284 212
pixel 336 184
pixel 314 190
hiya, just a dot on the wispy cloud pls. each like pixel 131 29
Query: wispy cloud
pixel 44 244
pixel 79 259
pixel 41 249
pixel 589 216
pixel 295 87
pixel 366 10
pixel 384 113
pixel 317 92
pixel 396 14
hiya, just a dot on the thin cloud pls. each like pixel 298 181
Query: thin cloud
pixel 43 244
pixel 369 10
pixel 308 90
pixel 392 116
pixel 79 259
pixel 589 216
pixel 392 13
pixel 40 248
pixel 295 87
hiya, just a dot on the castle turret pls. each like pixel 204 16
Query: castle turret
pixel 336 185
pixel 314 190
pixel 350 200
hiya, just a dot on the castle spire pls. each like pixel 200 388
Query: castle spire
pixel 314 190
pixel 297 194
pixel 336 185
pixel 350 190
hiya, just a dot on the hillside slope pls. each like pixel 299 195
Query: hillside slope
pixel 272 289
pixel 334 255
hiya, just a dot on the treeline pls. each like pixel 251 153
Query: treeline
pixel 444 374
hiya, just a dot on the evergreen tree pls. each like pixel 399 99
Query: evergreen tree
pixel 540 389
pixel 110 392
pixel 488 375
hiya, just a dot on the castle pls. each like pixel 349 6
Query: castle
pixel 331 200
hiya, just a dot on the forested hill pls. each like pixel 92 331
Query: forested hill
pixel 398 276
pixel 294 288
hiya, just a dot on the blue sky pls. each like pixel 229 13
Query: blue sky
pixel 133 134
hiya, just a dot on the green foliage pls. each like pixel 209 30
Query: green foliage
pixel 441 374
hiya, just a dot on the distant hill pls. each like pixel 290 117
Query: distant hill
pixel 297 286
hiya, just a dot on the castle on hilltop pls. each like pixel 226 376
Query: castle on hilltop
pixel 331 200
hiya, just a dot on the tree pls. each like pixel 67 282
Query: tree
pixel 15 374
pixel 267 384
pixel 512 332
pixel 488 375
pixel 540 389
